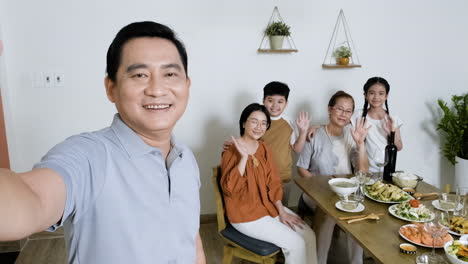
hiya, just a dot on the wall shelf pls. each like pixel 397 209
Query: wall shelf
pixel 276 50
pixel 336 66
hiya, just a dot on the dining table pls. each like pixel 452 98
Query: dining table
pixel 380 238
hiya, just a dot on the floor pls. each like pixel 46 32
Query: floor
pixel 49 248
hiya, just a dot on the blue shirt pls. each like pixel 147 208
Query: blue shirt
pixel 125 203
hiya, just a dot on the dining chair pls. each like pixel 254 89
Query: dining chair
pixel 303 209
pixel 238 244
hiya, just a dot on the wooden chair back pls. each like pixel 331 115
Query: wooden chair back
pixel 220 211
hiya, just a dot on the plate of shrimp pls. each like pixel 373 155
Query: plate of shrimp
pixel 416 234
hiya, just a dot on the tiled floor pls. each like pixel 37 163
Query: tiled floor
pixel 49 248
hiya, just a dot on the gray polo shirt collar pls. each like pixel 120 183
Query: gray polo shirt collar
pixel 135 146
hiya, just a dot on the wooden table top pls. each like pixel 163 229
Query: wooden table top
pixel 380 238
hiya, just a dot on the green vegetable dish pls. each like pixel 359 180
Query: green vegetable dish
pixel 421 213
pixel 386 193
pixel 458 250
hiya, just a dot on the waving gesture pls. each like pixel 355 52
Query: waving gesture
pixel 303 122
pixel 360 131
pixel 240 147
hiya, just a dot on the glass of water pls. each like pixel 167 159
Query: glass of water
pixel 462 199
pixel 380 159
pixel 448 202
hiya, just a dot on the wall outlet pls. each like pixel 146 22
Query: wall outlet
pixel 59 79
pixel 48 78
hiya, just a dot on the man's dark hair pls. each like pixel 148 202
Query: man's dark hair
pixel 249 110
pixel 139 30
pixel 276 88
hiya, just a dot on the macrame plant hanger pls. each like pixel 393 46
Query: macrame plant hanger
pixel 348 42
pixel 265 45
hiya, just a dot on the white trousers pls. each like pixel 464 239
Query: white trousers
pixel 323 226
pixel 298 246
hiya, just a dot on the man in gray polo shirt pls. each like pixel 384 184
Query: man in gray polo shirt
pixel 128 193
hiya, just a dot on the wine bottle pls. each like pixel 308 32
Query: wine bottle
pixel 391 152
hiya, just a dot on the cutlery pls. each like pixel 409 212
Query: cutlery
pixel 356 216
pixel 370 216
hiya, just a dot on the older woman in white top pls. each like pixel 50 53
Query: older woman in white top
pixel 336 148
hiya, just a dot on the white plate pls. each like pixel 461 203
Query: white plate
pixel 387 202
pixel 453 232
pixel 392 211
pixel 369 182
pixel 358 209
pixel 464 238
pixel 435 203
pixel 422 245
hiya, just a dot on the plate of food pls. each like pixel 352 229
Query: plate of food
pixel 411 211
pixel 386 193
pixel 456 251
pixel 416 234
pixel 457 225
pixel 446 206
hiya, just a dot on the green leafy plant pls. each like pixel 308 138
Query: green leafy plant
pixel 454 124
pixel 278 29
pixel 342 52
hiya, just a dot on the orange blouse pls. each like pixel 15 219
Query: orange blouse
pixel 251 196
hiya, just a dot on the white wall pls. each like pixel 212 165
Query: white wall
pixel 419 46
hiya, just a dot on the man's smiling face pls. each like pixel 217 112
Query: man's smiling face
pixel 151 88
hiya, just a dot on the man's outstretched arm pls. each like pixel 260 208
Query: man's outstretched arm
pixel 30 202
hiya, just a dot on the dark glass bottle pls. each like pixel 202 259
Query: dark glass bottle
pixel 391 152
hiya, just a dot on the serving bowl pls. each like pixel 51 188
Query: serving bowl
pixel 343 186
pixel 350 202
pixel 405 179
pixel 453 259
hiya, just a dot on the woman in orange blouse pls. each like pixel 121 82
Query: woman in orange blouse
pixel 252 192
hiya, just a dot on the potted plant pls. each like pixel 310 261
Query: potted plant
pixel 342 55
pixel 454 124
pixel 276 32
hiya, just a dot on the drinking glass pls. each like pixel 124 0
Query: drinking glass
pixel 361 177
pixel 381 159
pixel 448 202
pixel 462 199
pixel 436 230
pixel 359 195
pixel 422 259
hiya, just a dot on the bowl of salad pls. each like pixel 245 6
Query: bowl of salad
pixel 411 211
pixel 456 251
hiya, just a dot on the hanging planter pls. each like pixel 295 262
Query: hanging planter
pixel 276 42
pixel 342 54
pixel 276 32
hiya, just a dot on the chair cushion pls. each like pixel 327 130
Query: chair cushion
pixel 259 247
